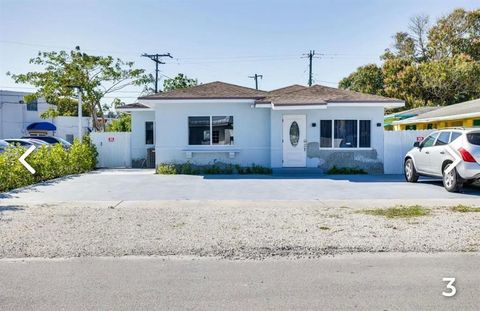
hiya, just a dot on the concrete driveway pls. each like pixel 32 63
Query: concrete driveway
pixel 144 185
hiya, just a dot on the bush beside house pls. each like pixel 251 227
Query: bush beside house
pixel 49 163
pixel 214 169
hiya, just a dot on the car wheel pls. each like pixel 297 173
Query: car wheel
pixel 451 181
pixel 411 174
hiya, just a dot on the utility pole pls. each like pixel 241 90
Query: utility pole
pixel 255 77
pixel 80 130
pixel 157 58
pixel 310 57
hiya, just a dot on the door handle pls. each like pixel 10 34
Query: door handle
pixel 426 152
pixel 442 152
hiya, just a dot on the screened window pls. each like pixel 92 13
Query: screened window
pixel 32 106
pixel 345 134
pixel 442 139
pixel 365 133
pixel 220 127
pixel 149 133
pixel 222 130
pixel 199 130
pixel 325 133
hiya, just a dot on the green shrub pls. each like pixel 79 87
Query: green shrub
pixel 345 171
pixel 167 169
pixel 214 169
pixel 48 162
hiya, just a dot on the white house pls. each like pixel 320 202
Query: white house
pixel 295 126
pixel 16 117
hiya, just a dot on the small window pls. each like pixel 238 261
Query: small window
pixel 428 142
pixel 294 133
pixel 149 133
pixel 476 122
pixel 474 138
pixel 345 134
pixel 325 133
pixel 430 126
pixel 455 135
pixel 411 127
pixel 69 138
pixel 32 106
pixel 365 133
pixel 442 139
pixel 222 130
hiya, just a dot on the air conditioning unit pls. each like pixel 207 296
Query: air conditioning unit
pixel 151 158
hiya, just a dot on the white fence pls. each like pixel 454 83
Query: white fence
pixel 396 145
pixel 113 149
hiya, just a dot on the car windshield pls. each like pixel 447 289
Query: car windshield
pixel 474 138
pixel 3 144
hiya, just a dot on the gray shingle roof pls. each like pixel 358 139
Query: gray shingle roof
pixel 321 95
pixel 133 106
pixel 290 95
pixel 212 90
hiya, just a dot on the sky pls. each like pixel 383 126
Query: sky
pixel 213 40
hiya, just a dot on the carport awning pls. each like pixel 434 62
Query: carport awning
pixel 41 126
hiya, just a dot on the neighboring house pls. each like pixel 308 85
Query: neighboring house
pixel 466 114
pixel 16 117
pixel 406 114
pixel 294 126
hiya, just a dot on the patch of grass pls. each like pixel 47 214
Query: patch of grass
pixel 346 171
pixel 398 211
pixel 460 208
pixel 324 228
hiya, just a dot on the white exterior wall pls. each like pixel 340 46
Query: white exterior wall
pixel 139 148
pixel 375 114
pixel 14 117
pixel 251 131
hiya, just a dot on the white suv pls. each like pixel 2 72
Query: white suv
pixel 453 154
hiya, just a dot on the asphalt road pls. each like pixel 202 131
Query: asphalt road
pixel 363 282
pixel 143 185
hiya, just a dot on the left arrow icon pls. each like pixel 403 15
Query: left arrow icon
pixel 26 154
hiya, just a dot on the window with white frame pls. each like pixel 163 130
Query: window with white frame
pixel 210 130
pixel 345 133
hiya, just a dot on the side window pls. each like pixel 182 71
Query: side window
pixel 428 142
pixel 32 106
pixel 149 133
pixel 455 135
pixel 442 139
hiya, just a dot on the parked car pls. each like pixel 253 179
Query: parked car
pixel 440 150
pixel 3 145
pixel 26 142
pixel 52 140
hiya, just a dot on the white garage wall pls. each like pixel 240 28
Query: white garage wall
pixel 397 144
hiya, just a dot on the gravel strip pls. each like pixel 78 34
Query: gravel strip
pixel 227 229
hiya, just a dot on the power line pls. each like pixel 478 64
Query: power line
pixel 157 58
pixel 255 77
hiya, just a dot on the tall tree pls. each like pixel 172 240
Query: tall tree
pixel 366 79
pixel 181 81
pixel 97 76
pixel 436 65
pixel 456 33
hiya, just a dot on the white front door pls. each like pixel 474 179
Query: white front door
pixel 294 141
